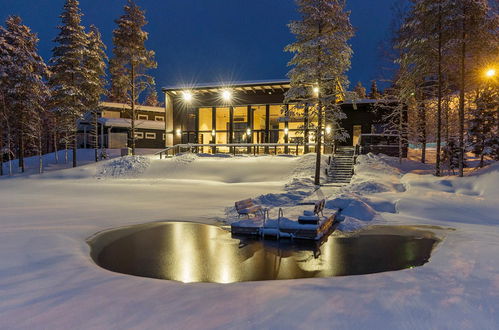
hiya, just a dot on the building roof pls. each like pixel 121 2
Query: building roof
pixel 126 123
pixel 244 86
pixel 123 106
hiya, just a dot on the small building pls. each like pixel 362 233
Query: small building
pixel 114 126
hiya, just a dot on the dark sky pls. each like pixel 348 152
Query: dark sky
pixel 215 40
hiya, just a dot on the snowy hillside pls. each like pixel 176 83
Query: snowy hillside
pixel 47 276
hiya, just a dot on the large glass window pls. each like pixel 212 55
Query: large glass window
pixel 276 124
pixel 222 128
pixel 259 115
pixel 205 127
pixel 240 124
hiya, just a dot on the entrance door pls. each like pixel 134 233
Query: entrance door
pixel 357 131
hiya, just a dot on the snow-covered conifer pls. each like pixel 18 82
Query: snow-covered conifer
pixel 95 84
pixel 321 58
pixel 24 92
pixel 360 91
pixel 69 75
pixel 131 61
pixel 374 93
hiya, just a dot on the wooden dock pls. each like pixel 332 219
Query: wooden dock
pixel 284 227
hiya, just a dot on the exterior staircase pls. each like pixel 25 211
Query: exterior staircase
pixel 340 170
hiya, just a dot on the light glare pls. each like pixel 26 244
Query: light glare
pixel 490 73
pixel 226 95
pixel 187 96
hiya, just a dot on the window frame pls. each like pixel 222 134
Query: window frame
pixel 148 137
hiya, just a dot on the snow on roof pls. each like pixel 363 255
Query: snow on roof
pixel 123 106
pixel 126 123
pixel 357 101
pixel 227 84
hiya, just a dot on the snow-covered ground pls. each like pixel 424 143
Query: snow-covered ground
pixel 48 280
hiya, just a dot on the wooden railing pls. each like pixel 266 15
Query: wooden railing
pixel 289 148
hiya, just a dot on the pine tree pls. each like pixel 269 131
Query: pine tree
pixel 69 77
pixel 450 155
pixel 95 64
pixel 131 61
pixel 475 37
pixel 360 91
pixel 482 132
pixel 423 41
pixel 152 99
pixel 374 93
pixel 321 58
pixel 24 93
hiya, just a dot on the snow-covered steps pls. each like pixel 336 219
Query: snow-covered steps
pixel 340 169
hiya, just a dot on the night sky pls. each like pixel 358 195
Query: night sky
pixel 215 40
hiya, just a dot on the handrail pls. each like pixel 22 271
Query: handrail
pixel 230 145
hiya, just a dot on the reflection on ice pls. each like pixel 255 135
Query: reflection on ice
pixel 191 252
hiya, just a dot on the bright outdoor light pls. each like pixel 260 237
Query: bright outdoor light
pixel 179 132
pixel 490 73
pixel 248 131
pixel 213 133
pixel 316 90
pixel 187 96
pixel 286 131
pixel 226 95
pixel 328 130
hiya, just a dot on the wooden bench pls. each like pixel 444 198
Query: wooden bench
pixel 248 207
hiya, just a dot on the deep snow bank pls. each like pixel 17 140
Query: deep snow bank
pixel 124 167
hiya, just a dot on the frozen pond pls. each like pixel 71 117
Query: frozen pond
pixel 192 252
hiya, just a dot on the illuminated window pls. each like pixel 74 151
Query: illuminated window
pixel 139 135
pixel 142 117
pixel 151 136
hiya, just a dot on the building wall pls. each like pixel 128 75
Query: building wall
pixel 249 111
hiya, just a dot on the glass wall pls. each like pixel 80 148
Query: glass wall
pixel 205 127
pixel 251 125
pixel 240 125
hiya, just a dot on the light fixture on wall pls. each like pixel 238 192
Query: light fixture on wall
pixel 213 133
pixel 248 131
pixel 328 130
pixel 179 132
pixel 227 95
pixel 187 96
pixel 286 131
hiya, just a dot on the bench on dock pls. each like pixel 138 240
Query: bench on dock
pixel 248 207
pixel 314 217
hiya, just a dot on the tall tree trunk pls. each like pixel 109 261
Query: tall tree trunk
pixel 40 152
pixel 1 149
pixel 439 96
pixel 422 130
pixel 75 146
pixel 56 151
pixel 461 94
pixel 66 148
pixel 318 135
pixel 133 108
pixel 20 155
pixel 95 134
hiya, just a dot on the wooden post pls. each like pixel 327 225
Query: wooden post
pixel 267 127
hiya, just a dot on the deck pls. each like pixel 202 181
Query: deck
pixel 286 226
